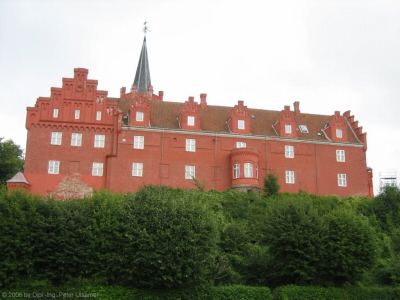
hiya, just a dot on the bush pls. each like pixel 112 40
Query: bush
pixel 292 292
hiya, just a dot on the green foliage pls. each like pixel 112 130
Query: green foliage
pixel 312 246
pixel 11 160
pixel 170 240
pixel 386 208
pixel 292 292
pixel 271 185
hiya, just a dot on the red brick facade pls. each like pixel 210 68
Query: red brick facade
pixel 123 143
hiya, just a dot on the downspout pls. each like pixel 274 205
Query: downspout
pixel 316 168
pixel 215 161
pixel 162 156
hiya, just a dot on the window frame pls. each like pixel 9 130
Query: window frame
pixel 56 138
pixel 340 155
pixel 241 124
pixel 99 140
pixel 137 169
pixel 189 170
pixel 339 133
pixel 191 120
pixel 303 129
pixel 289 151
pixel 76 139
pixel 248 170
pixel 241 145
pixel 236 170
pixel 138 142
pixel 77 114
pixel 97 169
pixel 98 115
pixel 290 177
pixel 191 145
pixel 342 180
pixel 53 167
pixel 288 128
pixel 139 116
pixel 55 113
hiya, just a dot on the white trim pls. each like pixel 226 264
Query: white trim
pixel 241 136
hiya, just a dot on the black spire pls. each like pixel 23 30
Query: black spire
pixel 142 77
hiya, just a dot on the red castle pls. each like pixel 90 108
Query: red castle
pixel 79 139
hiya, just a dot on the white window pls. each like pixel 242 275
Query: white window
pixel 97 169
pixel 248 170
pixel 54 167
pixel 190 121
pixel 55 113
pixel 191 145
pixel 289 151
pixel 139 116
pixel 240 145
pixel 77 114
pixel 288 128
pixel 137 169
pixel 98 115
pixel 340 155
pixel 56 138
pixel 236 170
pixel 303 128
pixel 190 172
pixel 99 140
pixel 290 177
pixel 342 181
pixel 138 142
pixel 240 124
pixel 76 139
pixel 339 133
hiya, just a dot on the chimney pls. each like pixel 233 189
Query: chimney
pixel 203 100
pixel 296 106
pixel 161 95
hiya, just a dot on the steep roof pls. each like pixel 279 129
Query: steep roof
pixel 142 77
pixel 18 178
pixel 165 114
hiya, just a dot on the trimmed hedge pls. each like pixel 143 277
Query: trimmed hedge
pixel 293 292
pixel 156 238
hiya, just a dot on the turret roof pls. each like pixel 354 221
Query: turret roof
pixel 142 78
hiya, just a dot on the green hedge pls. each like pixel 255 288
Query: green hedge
pixel 156 238
pixel 292 292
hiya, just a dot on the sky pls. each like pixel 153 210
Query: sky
pixel 328 55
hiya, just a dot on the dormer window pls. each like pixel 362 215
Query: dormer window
pixel 190 121
pixel 55 113
pixel 77 114
pixel 139 116
pixel 241 124
pixel 288 128
pixel 339 133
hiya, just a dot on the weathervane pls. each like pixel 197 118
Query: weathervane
pixel 145 28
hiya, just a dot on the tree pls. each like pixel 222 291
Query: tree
pixel 309 245
pixel 11 160
pixel 271 185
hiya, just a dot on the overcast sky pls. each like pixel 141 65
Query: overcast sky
pixel 329 55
